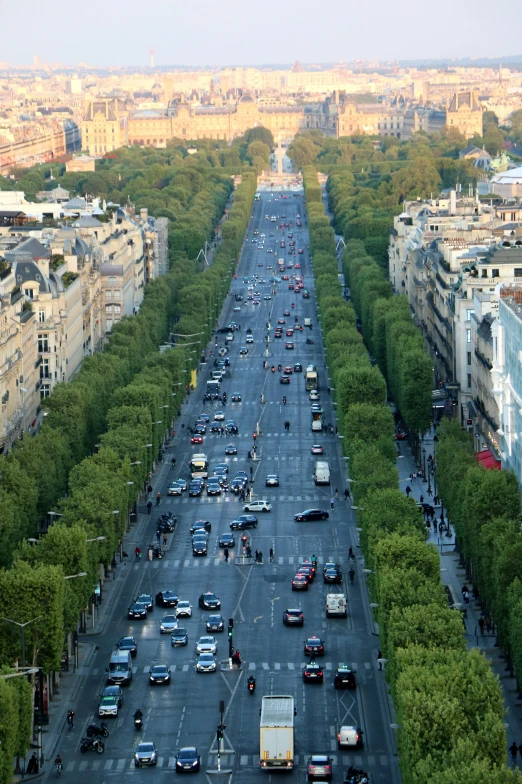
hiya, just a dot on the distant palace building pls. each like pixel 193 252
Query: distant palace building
pixel 108 123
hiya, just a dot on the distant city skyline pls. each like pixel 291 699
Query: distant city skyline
pixel 234 33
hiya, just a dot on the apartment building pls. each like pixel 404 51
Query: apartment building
pixel 448 256
pixel 62 290
pixel 507 374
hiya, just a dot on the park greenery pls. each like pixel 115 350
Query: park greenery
pixel 448 703
pixel 80 478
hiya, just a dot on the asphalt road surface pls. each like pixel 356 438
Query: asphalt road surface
pixel 187 711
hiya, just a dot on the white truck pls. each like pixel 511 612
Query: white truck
pixel 322 473
pixel 276 733
pixel 336 605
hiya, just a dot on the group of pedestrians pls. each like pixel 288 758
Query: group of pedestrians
pixel 514 750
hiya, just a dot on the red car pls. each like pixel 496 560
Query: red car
pixel 289 345
pixel 289 333
pixel 281 321
pixel 297 265
pixel 288 369
pixel 402 435
pixel 196 439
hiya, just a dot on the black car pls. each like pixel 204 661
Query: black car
pixel 205 524
pixel 146 599
pixel 236 397
pixel 213 486
pixel 227 540
pixel 293 618
pixel 231 428
pixel 137 612
pixel 187 760
pixel 166 599
pixel 238 484
pixel 298 368
pixel 344 678
pixel 245 521
pixel 224 330
pixel 313 673
pixel 209 601
pixel 284 380
pixel 311 514
pixel 128 644
pixel 178 636
pixel 195 488
pixel 199 546
pixel 215 623
pixel 314 647
pixel 332 576
pixel 159 673
pixel 215 427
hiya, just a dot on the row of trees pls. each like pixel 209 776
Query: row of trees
pixel 94 453
pixel 448 702
pixel 484 507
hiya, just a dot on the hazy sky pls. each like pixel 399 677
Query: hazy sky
pixel 239 32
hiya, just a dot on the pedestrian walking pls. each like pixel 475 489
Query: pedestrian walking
pixel 379 658
pixel 520 749
pixel 346 494
pixel 411 477
pixel 466 598
pixel 436 500
pixel 481 623
pixel 332 502
pixel 164 540
pixel 149 489
pixel 336 493
pixel 271 554
pixel 421 499
pixel 32 765
pixel 513 749
pixel 149 507
pixel 158 536
pixel 434 526
pixel 225 553
pixel 408 491
pixel 489 624
pixel 475 593
pixel 430 491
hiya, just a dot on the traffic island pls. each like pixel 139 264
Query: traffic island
pixel 226 665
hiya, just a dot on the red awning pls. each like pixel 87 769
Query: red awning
pixel 486 459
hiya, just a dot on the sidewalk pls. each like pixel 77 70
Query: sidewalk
pixel 453 576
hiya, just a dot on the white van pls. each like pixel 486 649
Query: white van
pixel 322 473
pixel 120 668
pixel 336 605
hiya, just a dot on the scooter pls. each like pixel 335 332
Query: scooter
pixel 138 722
pixel 99 732
pixel 251 683
pixel 279 367
pixel 309 342
pixel 273 369
pixel 92 744
pixel 284 401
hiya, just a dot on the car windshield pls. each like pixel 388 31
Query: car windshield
pixel 214 619
pixel 179 633
pixel 109 701
pixel 159 669
pixel 169 619
pixel 187 754
pixel 146 747
pixel 206 657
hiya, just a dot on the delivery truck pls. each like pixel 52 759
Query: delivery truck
pixel 322 473
pixel 276 733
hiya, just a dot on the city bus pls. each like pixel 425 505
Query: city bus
pixel 199 466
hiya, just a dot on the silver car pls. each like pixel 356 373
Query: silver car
pixel 145 754
pixel 206 663
pixel 184 609
pixel 206 645
pixel 168 624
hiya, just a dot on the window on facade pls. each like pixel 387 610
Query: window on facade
pixel 108 293
pixel 41 316
pixel 518 272
pixel 112 280
pixel 116 294
pixel 483 273
pixel 469 379
pixel 45 391
pixel 468 336
pixel 495 273
pixel 44 369
pixel 108 325
pixel 469 357
pixel 43 343
pixel 469 313
pixel 117 310
pixel 108 309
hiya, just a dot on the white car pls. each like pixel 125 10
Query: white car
pixel 272 480
pixel 206 645
pixel 314 395
pixel 229 336
pixel 258 506
pixel 168 624
pixel 174 489
pixel 219 416
pixel 237 309
pixel 206 663
pixel 249 339
pixel 184 609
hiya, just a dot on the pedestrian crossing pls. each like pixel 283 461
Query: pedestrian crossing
pixel 197 561
pixel 103 764
pixel 253 666
pixel 227 498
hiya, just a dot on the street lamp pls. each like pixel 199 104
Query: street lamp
pixel 80 574
pixel 96 539
pixel 22 627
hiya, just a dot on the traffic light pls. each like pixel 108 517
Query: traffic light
pixel 230 626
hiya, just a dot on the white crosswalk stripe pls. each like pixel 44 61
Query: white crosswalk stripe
pixel 198 561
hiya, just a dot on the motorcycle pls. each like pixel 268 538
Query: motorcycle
pixel 92 744
pixel 157 552
pixel 251 683
pixel 293 306
pixel 351 574
pixel 279 367
pixel 309 342
pixel 273 369
pixel 138 722
pixel 284 401
pixel 100 732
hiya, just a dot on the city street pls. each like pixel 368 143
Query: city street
pixel 186 712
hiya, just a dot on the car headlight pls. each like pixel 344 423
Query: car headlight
pixel 136 756
pixel 194 763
